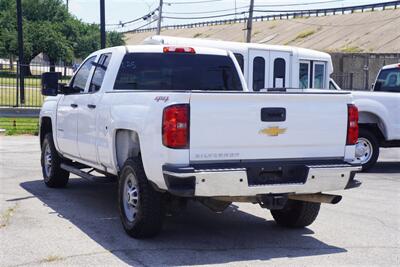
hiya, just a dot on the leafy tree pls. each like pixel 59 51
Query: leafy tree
pixel 48 28
pixel 8 38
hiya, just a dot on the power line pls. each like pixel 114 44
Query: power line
pixel 138 28
pixel 124 23
pixel 206 12
pixel 145 17
pixel 300 4
pixel 242 7
pixel 192 2
pixel 279 11
pixel 208 17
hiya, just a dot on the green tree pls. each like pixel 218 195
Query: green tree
pixel 8 38
pixel 48 28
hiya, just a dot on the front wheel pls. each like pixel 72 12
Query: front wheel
pixel 53 175
pixel 296 214
pixel 140 206
pixel 367 149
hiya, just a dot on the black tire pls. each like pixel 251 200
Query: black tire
pixel 296 214
pixel 54 176
pixel 373 140
pixel 148 219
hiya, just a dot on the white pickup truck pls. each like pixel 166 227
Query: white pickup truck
pixel 379 115
pixel 178 123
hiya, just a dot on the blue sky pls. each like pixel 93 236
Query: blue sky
pixel 125 10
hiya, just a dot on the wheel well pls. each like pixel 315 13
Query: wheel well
pixel 375 130
pixel 373 123
pixel 127 145
pixel 45 127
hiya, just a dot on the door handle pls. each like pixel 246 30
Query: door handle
pixel 74 105
pixel 91 106
pixel 273 114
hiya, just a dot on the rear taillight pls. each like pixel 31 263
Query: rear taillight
pixel 174 49
pixel 352 125
pixel 175 126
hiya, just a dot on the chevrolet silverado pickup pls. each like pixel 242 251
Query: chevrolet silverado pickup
pixel 178 123
pixel 379 116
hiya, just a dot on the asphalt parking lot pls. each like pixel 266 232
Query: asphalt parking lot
pixel 79 225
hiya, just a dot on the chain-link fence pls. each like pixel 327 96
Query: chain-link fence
pixel 15 92
pixel 344 80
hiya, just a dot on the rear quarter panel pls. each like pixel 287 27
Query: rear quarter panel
pixel 384 105
pixel 142 112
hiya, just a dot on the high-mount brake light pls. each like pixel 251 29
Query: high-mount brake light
pixel 352 125
pixel 174 49
pixel 175 126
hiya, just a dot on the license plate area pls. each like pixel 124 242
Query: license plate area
pixel 277 175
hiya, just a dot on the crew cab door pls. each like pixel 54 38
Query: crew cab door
pixel 67 112
pixel 88 111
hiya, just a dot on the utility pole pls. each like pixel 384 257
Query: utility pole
pixel 21 67
pixel 159 17
pixel 235 10
pixel 67 5
pixel 250 22
pixel 102 25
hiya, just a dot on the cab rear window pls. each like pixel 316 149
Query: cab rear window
pixel 177 71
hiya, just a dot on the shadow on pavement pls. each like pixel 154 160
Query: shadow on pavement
pixel 386 167
pixel 196 236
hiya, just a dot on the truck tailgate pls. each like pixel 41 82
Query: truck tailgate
pixel 247 126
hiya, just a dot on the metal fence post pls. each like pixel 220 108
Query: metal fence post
pixel 20 50
pixel 17 84
pixel 351 80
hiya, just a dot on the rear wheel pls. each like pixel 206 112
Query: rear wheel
pixel 53 175
pixel 367 149
pixel 141 207
pixel 296 214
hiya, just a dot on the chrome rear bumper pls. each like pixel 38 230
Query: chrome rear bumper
pixel 212 182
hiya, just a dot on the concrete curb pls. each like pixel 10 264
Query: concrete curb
pixel 7 112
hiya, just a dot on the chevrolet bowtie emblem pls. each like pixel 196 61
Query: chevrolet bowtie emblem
pixel 273 131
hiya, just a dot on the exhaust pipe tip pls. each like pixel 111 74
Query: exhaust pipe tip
pixel 336 199
pixel 317 198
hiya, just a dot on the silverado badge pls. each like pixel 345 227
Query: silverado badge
pixel 273 131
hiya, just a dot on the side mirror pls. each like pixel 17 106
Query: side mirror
pixel 50 83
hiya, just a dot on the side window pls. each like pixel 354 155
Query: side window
pixel 279 72
pixel 304 81
pixel 258 73
pixel 240 60
pixel 99 72
pixel 81 77
pixel 319 75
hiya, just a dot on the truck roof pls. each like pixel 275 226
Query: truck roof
pixel 305 53
pixel 391 66
pixel 159 49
